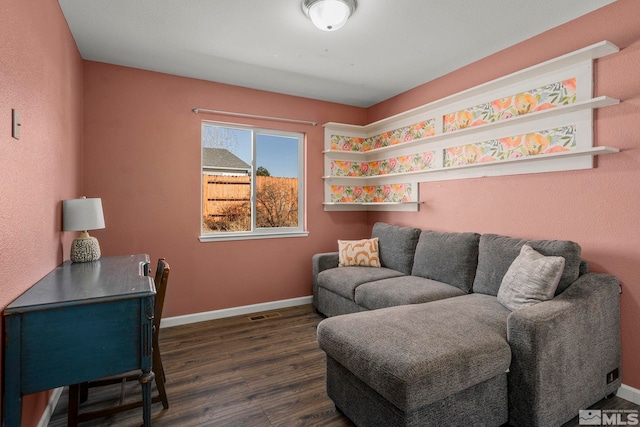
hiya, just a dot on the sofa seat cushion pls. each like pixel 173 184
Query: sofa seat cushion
pixel 413 355
pixel 447 257
pixel 401 291
pixel 397 245
pixel 344 280
pixel 497 253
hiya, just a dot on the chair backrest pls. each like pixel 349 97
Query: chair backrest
pixel 161 280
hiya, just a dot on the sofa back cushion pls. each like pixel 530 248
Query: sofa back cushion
pixel 450 258
pixel 496 253
pixel 396 245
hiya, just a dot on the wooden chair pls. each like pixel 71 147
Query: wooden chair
pixel 79 392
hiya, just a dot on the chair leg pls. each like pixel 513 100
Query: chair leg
pixel 163 393
pixel 160 378
pixel 84 392
pixel 74 404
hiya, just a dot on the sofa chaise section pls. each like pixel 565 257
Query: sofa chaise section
pixel 433 364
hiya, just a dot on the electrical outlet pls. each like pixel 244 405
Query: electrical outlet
pixel 15 119
pixel 612 376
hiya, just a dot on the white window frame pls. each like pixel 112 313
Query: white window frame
pixel 264 232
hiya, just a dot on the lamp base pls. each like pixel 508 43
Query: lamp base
pixel 85 249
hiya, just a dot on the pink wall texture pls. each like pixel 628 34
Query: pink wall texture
pixel 142 157
pixel 139 142
pixel 598 208
pixel 41 77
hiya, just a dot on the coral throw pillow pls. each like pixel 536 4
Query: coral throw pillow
pixel 363 253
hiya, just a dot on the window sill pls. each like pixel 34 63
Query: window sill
pixel 219 237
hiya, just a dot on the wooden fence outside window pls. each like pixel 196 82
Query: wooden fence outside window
pixel 226 200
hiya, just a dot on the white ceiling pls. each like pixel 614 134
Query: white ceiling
pixel 386 48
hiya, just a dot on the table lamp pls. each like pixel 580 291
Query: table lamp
pixel 83 215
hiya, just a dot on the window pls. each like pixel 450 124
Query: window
pixel 252 182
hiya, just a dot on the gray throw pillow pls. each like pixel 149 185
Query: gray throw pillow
pixel 531 278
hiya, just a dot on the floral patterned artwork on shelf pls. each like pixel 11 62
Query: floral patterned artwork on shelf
pixel 394 137
pixel 542 98
pixel 555 140
pixel 348 143
pixel 371 193
pixel 400 164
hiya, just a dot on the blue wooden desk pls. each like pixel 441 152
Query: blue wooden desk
pixel 80 322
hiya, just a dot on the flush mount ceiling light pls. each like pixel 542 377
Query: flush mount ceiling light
pixel 329 15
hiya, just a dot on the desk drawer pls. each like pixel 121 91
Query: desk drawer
pixel 82 343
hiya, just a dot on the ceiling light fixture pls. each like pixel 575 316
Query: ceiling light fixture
pixel 329 15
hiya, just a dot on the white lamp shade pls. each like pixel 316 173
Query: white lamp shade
pixel 330 15
pixel 82 214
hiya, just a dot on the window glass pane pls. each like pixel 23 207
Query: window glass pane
pixel 277 186
pixel 226 174
pixel 251 181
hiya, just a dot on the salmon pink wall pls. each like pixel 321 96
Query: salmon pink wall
pixel 598 208
pixel 142 157
pixel 141 154
pixel 41 77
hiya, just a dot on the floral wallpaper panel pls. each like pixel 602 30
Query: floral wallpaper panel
pixel 555 140
pixel 542 98
pixel 371 193
pixel 394 137
pixel 400 164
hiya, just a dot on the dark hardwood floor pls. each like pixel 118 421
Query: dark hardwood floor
pixel 239 372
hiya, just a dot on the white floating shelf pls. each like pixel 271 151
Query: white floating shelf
pixel 599 102
pixel 595 151
pixel 370 203
pixel 372 206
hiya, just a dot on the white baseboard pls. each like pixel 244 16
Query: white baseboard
pixel 629 393
pixel 234 311
pixel 51 406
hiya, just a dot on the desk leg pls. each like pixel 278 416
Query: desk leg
pixel 146 380
pixel 12 398
pixel 12 410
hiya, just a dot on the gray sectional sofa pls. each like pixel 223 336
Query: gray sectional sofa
pixel 424 341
